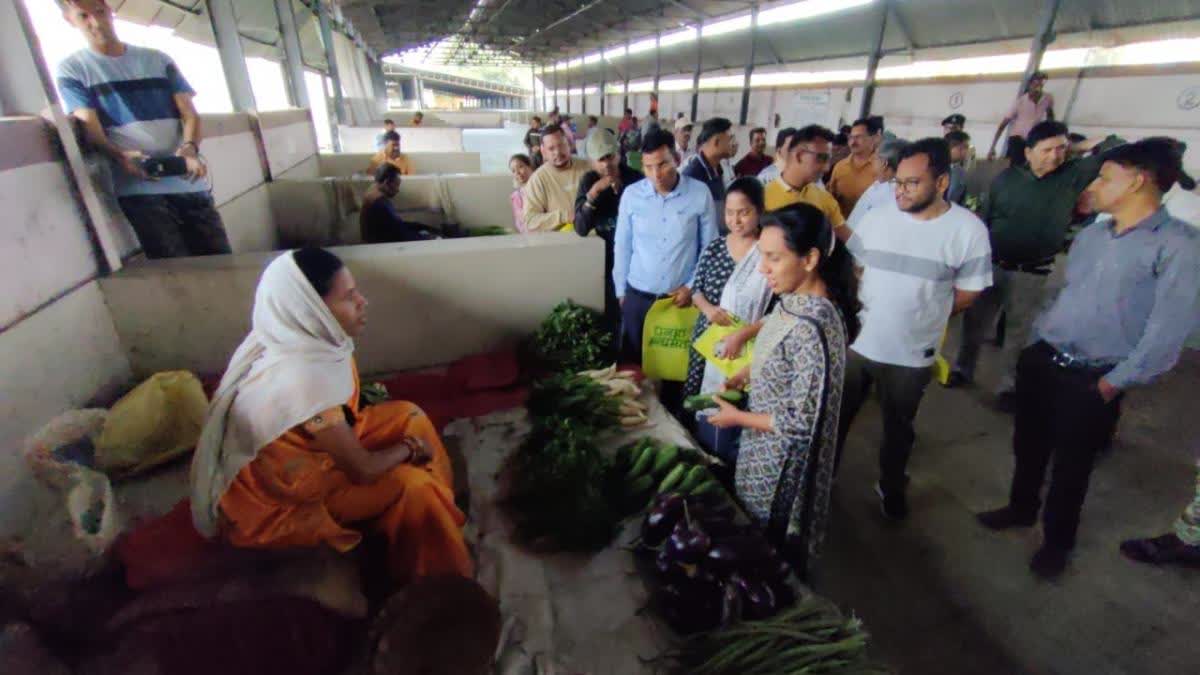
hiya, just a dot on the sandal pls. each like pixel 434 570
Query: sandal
pixel 1161 550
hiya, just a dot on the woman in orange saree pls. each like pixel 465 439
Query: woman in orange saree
pixel 287 458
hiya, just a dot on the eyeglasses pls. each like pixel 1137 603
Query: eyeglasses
pixel 907 185
pixel 821 156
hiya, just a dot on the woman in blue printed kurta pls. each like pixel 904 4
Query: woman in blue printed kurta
pixel 788 450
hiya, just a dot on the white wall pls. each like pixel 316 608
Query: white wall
pixel 58 346
pixel 412 139
pixel 431 302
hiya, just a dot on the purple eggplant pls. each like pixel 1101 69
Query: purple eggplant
pixel 736 553
pixel 731 605
pixel 758 599
pixel 692 605
pixel 661 519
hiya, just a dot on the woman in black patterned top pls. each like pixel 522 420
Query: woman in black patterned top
pixel 788 450
pixel 732 257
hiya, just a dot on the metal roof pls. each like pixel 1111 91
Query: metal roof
pixel 545 32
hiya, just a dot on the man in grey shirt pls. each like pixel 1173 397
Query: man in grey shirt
pixel 1132 297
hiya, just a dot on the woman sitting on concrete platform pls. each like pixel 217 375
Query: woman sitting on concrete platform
pixel 288 459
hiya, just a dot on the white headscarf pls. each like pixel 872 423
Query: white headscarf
pixel 295 363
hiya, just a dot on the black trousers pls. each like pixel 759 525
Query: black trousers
pixel 633 318
pixel 1061 417
pixel 901 389
pixel 176 225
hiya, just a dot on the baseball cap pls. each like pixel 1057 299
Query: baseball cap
pixel 682 123
pixel 955 119
pixel 601 144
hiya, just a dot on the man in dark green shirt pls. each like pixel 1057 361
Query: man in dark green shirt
pixel 1028 210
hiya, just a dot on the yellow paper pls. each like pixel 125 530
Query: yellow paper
pixel 706 346
pixel 566 227
pixel 666 338
pixel 941 367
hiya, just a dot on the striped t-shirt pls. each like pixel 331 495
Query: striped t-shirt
pixel 133 94
pixel 911 269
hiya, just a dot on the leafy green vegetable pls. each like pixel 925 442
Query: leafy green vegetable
pixel 572 338
pixel 577 398
pixel 559 487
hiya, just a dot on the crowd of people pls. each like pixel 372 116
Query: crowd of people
pixel 844 254
pixel 923 252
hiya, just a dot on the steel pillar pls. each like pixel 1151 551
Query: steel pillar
pixel 293 57
pixel 229 47
pixel 1041 40
pixel 873 60
pixel 339 106
pixel 745 111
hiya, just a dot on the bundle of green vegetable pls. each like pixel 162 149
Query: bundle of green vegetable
pixel 571 339
pixel 577 399
pixel 810 638
pixel 558 498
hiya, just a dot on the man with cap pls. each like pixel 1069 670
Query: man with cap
pixel 596 206
pixel 1131 298
pixel 954 122
pixel 683 139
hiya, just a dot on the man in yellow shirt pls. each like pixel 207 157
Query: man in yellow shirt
pixel 854 174
pixel 390 154
pixel 550 191
pixel 807 156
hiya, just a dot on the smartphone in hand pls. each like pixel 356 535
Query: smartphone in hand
pixel 161 167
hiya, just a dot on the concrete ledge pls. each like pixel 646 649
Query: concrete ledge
pixel 344 164
pixel 431 302
pixel 412 139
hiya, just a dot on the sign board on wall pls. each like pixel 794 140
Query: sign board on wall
pixel 804 106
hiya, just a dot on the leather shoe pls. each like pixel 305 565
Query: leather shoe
pixel 1003 519
pixel 1048 563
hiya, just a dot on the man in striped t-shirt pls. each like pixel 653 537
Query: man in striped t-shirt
pixel 923 260
pixel 135 105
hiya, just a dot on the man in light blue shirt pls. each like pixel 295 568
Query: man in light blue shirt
pixel 663 223
pixel 1131 299
pixel 389 127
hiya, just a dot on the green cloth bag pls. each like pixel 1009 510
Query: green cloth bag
pixel 666 339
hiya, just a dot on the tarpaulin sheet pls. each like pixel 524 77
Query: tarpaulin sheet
pixel 584 609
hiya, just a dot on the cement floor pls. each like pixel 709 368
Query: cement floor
pixel 943 595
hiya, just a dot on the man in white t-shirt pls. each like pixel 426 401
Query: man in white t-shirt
pixel 922 262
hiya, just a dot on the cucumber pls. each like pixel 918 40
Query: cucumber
pixel 640 486
pixel 667 458
pixel 673 478
pixel 704 401
pixel 699 402
pixel 629 453
pixel 734 396
pixel 708 486
pixel 695 476
pixel 642 465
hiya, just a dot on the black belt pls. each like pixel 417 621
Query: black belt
pixel 1074 362
pixel 630 290
pixel 1041 267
